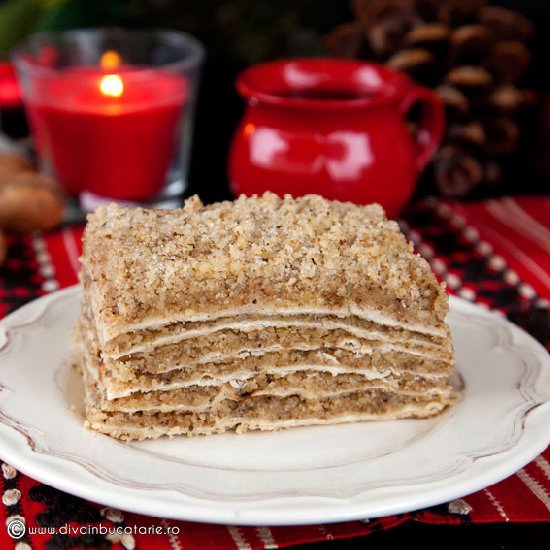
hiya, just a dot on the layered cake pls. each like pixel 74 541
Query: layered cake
pixel 257 314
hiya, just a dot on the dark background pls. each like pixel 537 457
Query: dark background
pixel 220 108
pixel 237 33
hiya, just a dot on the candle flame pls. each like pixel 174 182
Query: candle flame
pixel 111 85
pixel 110 60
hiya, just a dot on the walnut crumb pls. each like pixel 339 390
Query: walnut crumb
pixel 268 251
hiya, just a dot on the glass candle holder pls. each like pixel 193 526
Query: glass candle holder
pixel 111 111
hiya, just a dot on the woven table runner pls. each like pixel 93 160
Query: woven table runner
pixel 495 253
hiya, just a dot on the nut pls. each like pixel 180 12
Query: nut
pixel 11 165
pixel 30 202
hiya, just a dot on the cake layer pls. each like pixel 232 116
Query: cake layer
pixel 148 339
pixel 143 266
pixel 140 426
pixel 239 368
pixel 134 372
pixel 169 334
pixel 307 382
pixel 356 321
pixel 310 385
pixel 232 342
pixel 229 343
pixel 360 317
pixel 208 374
pixel 261 413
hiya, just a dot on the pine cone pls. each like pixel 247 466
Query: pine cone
pixel 346 39
pixel 473 55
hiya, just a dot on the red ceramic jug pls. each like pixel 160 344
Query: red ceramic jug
pixel 332 127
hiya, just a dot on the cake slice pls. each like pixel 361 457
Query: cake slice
pixel 261 313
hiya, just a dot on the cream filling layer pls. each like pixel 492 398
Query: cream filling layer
pixel 195 398
pixel 115 388
pixel 247 326
pixel 107 333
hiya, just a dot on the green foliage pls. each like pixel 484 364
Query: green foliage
pixel 17 18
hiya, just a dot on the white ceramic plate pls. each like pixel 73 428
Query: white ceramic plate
pixel 303 475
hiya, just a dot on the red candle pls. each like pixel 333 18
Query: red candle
pixel 10 94
pixel 12 115
pixel 108 132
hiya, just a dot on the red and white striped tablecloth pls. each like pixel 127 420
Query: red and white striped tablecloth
pixel 495 252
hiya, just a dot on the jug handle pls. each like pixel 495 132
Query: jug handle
pixel 432 122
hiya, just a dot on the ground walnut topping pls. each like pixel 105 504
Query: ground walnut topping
pixel 254 251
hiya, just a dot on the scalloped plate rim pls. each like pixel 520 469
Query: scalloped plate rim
pixel 310 509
